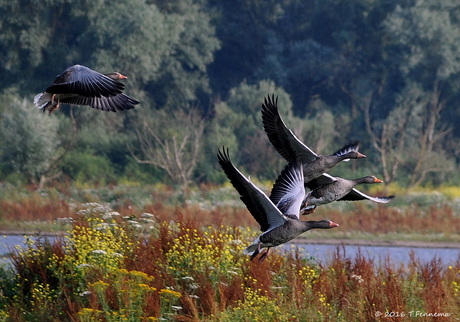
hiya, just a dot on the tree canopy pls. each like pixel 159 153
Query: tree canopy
pixel 384 73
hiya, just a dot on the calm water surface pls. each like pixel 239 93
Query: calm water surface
pixel 319 252
pixel 397 254
pixel 8 243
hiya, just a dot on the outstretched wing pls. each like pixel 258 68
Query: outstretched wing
pixel 353 147
pixel 288 191
pixel 259 205
pixel 281 137
pixel 119 102
pixel 355 195
pixel 323 179
pixel 84 81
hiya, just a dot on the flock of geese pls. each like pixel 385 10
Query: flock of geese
pixel 279 214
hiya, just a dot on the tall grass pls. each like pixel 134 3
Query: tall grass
pixel 113 267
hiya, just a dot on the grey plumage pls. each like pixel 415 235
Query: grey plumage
pixel 277 228
pixel 80 85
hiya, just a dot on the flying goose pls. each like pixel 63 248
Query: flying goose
pixel 292 149
pixel 277 227
pixel 80 85
pixel 326 189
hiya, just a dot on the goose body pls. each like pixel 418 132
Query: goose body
pixel 292 149
pixel 80 85
pixel 277 227
pixel 326 189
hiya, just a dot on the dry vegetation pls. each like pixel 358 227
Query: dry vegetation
pixel 124 268
pixel 423 215
pixel 158 261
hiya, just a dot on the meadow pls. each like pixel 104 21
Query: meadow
pixel 424 215
pixel 118 261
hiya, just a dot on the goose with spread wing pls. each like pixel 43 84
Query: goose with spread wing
pixel 292 149
pixel 326 189
pixel 80 85
pixel 277 227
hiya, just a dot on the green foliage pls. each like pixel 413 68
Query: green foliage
pixel 238 126
pixel 30 140
pixel 134 36
pixel 342 70
pixel 136 173
pixel 86 167
pixel 437 29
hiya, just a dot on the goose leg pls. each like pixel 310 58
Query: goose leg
pixel 54 107
pixel 256 252
pixel 46 106
pixel 305 211
pixel 264 255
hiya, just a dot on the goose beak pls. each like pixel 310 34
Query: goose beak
pixel 123 76
pixel 333 224
pixel 361 156
pixel 377 180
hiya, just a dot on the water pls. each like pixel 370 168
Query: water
pixel 8 244
pixel 397 254
pixel 320 252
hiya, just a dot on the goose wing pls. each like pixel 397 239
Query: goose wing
pixel 281 137
pixel 323 179
pixel 352 147
pixel 259 205
pixel 288 191
pixel 119 102
pixel 84 81
pixel 355 195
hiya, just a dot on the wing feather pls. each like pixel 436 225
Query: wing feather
pixel 115 103
pixel 281 137
pixel 353 147
pixel 84 81
pixel 288 191
pixel 323 179
pixel 259 205
pixel 355 195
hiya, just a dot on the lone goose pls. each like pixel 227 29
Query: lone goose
pixel 326 189
pixel 292 149
pixel 80 85
pixel 277 228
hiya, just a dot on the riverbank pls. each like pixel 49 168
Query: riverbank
pixel 392 240
pixel 367 242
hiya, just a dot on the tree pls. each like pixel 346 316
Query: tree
pixel 183 77
pixel 402 139
pixel 30 142
pixel 171 141
pixel 164 47
pixel 428 36
pixel 239 26
pixel 238 126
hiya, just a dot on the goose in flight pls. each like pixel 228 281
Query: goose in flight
pixel 326 189
pixel 80 85
pixel 277 227
pixel 292 149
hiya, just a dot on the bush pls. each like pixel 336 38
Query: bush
pixel 88 168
